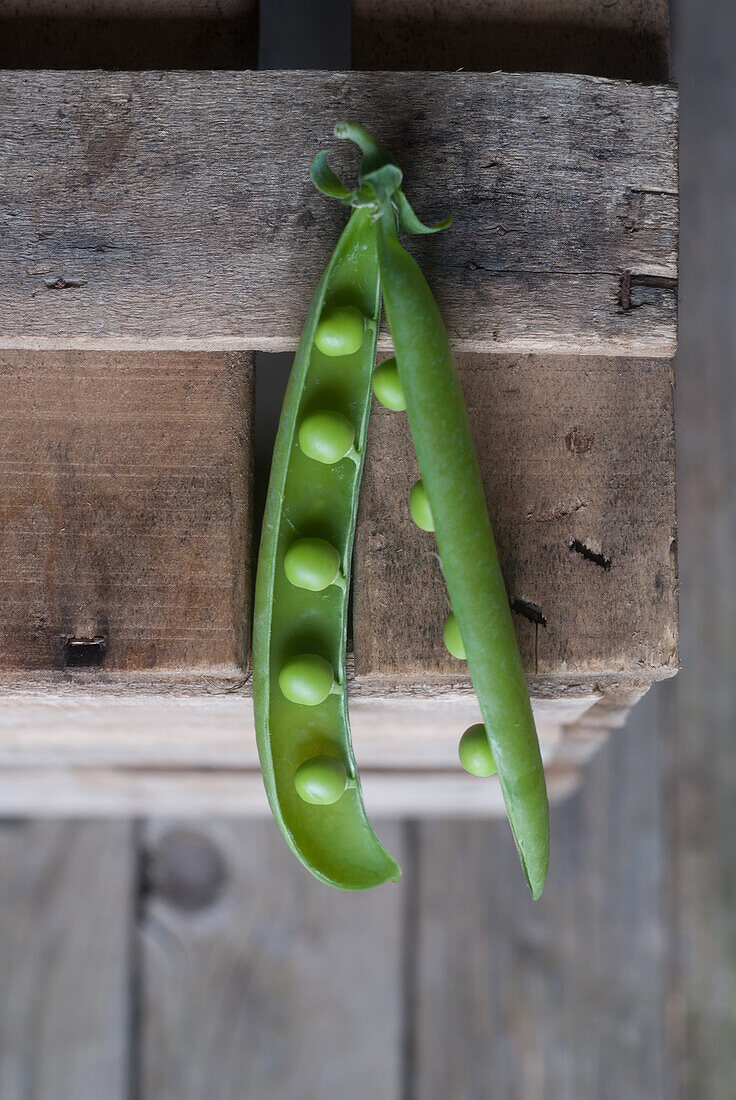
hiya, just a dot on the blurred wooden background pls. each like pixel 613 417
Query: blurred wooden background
pixel 171 961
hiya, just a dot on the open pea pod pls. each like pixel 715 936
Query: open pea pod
pixel 455 508
pixel 301 596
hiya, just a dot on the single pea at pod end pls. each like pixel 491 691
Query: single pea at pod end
pixel 321 781
pixel 307 679
pixel 387 386
pixel 419 507
pixel 326 436
pixel 340 331
pixel 453 641
pixel 476 755
pixel 313 564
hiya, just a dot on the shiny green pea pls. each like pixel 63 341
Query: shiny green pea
pixel 340 331
pixel 387 386
pixel 313 564
pixel 327 437
pixel 475 752
pixel 419 507
pixel 453 641
pixel 321 780
pixel 307 679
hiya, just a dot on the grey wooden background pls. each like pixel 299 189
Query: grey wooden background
pixel 166 961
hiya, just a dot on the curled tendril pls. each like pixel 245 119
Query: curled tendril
pixel 379 182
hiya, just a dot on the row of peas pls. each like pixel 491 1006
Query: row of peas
pixel 313 564
pixel 474 751
pixel 307 761
pixel 301 599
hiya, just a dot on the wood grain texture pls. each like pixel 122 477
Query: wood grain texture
pixel 264 985
pixel 88 729
pixel 123 225
pixel 126 509
pixel 65 910
pixel 566 997
pixel 87 751
pixel 627 39
pixel 577 457
pixel 701 718
pixel 123 791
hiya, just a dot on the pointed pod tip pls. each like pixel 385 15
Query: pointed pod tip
pixel 537 880
pixel 536 884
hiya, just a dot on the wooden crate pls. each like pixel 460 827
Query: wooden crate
pixel 141 269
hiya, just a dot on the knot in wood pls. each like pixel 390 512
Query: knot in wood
pixel 186 870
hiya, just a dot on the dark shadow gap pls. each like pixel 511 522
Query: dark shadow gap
pixel 128 43
pixel 511 45
pixel 84 652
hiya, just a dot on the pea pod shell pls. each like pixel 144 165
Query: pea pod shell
pixel 439 426
pixel 335 842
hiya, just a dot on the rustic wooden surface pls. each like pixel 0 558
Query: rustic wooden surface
pixel 621 983
pixel 625 39
pixel 567 998
pixel 66 903
pixel 269 967
pixel 416 790
pixel 125 511
pixel 89 752
pixel 578 464
pixel 127 506
pixel 119 231
pixel 698 724
pixel 38 729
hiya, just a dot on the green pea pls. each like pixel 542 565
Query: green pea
pixel 340 331
pixel 387 386
pixel 453 641
pixel 321 780
pixel 313 564
pixel 327 437
pixel 307 679
pixel 419 507
pixel 475 752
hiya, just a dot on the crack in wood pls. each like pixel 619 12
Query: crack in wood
pixel 599 559
pixel 530 611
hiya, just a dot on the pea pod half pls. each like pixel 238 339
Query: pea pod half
pixel 301 597
pixel 457 510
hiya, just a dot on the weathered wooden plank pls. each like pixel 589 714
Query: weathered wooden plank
pixel 124 225
pixel 86 729
pixel 125 512
pixel 66 908
pixel 260 979
pixel 389 791
pixel 565 997
pixel 699 726
pixel 89 752
pixel 578 465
